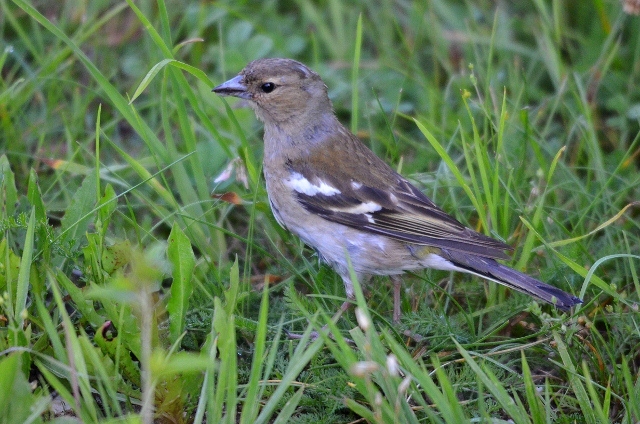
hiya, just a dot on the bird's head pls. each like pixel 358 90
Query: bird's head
pixel 281 91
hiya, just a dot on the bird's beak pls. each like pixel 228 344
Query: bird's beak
pixel 234 87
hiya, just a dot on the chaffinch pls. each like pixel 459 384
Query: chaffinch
pixel 329 189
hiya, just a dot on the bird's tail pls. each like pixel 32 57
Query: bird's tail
pixel 491 270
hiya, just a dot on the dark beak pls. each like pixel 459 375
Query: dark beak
pixel 234 87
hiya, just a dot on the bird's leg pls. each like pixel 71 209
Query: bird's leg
pixel 343 308
pixel 348 286
pixel 397 286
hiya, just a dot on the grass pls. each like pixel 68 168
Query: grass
pixel 129 293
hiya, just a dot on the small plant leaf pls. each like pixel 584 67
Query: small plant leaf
pixel 183 261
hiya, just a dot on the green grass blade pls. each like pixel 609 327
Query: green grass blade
pixel 252 401
pixel 576 383
pixel 488 379
pixel 449 162
pixel 536 409
pixel 24 274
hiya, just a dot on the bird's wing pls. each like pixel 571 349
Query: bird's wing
pixel 381 202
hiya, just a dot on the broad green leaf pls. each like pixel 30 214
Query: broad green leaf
pixel 110 344
pixel 183 261
pixel 16 398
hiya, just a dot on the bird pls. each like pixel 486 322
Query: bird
pixel 328 188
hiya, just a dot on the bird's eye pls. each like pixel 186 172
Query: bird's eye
pixel 268 87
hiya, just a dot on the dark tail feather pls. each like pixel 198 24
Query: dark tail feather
pixel 490 269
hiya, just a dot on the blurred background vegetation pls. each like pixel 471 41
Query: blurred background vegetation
pixel 144 278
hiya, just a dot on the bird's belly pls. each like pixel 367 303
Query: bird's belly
pixel 339 245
